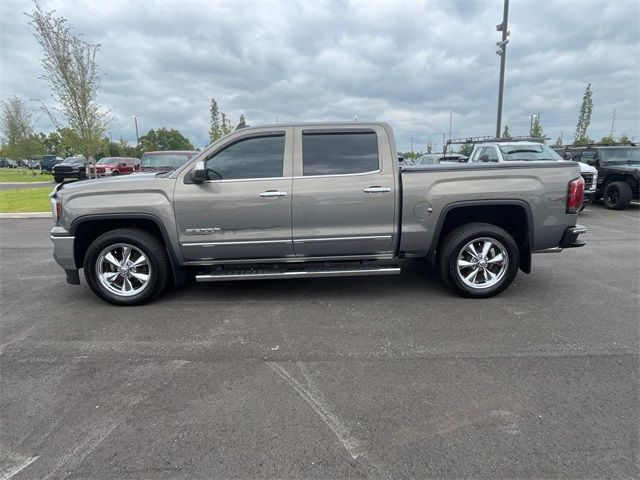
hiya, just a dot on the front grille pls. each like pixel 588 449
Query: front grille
pixel 62 169
pixel 588 180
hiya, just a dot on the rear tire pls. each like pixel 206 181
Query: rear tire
pixel 487 272
pixel 127 266
pixel 617 195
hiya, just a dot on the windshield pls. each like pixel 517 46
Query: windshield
pixel 613 155
pixel 173 160
pixel 528 153
pixel 107 161
pixel 74 160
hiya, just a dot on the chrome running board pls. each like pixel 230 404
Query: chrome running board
pixel 268 274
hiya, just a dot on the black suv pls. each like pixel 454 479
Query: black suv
pixel 618 173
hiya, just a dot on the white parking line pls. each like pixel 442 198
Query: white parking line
pixel 18 468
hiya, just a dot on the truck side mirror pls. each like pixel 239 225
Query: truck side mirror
pixel 199 172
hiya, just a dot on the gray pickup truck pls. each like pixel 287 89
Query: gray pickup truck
pixel 312 200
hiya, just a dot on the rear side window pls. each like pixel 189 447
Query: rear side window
pixel 339 153
pixel 256 157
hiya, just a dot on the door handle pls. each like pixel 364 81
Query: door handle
pixel 273 193
pixel 377 189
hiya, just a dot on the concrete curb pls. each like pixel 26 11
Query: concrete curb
pixel 49 182
pixel 26 215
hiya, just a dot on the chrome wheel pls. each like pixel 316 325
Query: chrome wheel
pixel 482 263
pixel 123 269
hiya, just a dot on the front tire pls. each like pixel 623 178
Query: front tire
pixel 617 195
pixel 127 266
pixel 478 260
pixel 58 179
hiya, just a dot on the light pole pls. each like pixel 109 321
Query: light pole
pixel 502 52
pixel 135 121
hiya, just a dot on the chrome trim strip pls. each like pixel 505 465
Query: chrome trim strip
pixel 341 239
pixel 291 259
pixel 301 274
pixel 338 175
pixel 248 242
pixel 234 180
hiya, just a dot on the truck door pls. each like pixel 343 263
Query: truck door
pixel 244 210
pixel 344 192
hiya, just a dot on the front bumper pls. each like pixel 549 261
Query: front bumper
pixel 63 253
pixel 570 237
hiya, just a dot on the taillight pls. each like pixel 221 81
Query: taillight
pixel 575 195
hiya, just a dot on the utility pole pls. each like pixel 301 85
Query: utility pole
pixel 135 120
pixel 412 145
pixel 613 122
pixel 450 122
pixel 502 52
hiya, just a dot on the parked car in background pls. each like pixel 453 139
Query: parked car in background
pixel 71 167
pixel 618 173
pixel 509 151
pixel 166 161
pixel 114 166
pixel 312 200
pixel 47 162
pixel 437 158
pixel 7 163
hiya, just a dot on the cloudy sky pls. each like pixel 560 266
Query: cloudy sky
pixel 409 63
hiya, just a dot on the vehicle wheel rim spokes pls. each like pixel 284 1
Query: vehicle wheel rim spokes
pixel 613 195
pixel 482 263
pixel 123 269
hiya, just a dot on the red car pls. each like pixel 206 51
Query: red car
pixel 112 166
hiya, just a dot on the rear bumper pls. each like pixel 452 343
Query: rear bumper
pixel 570 237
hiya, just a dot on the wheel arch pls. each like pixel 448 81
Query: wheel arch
pixel 87 228
pixel 512 215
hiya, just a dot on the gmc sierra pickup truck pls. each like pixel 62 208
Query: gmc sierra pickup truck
pixel 312 200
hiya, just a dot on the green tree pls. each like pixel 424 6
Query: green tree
pixel 608 140
pixel 536 129
pixel 226 124
pixel 215 131
pixel 581 137
pixel 624 140
pixel 163 139
pixel 429 146
pixel 506 133
pixel 466 149
pixel 17 129
pixel 558 142
pixel 70 69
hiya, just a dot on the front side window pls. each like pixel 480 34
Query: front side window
pixel 339 153
pixel 256 157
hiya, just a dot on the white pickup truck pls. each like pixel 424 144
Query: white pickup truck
pixel 509 151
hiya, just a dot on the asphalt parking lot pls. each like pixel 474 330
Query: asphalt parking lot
pixel 381 377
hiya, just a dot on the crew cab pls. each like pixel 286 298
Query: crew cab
pixel 509 151
pixel 619 173
pixel 312 200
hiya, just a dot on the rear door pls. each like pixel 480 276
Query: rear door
pixel 244 210
pixel 343 192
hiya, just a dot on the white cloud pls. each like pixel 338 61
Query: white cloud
pixel 409 63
